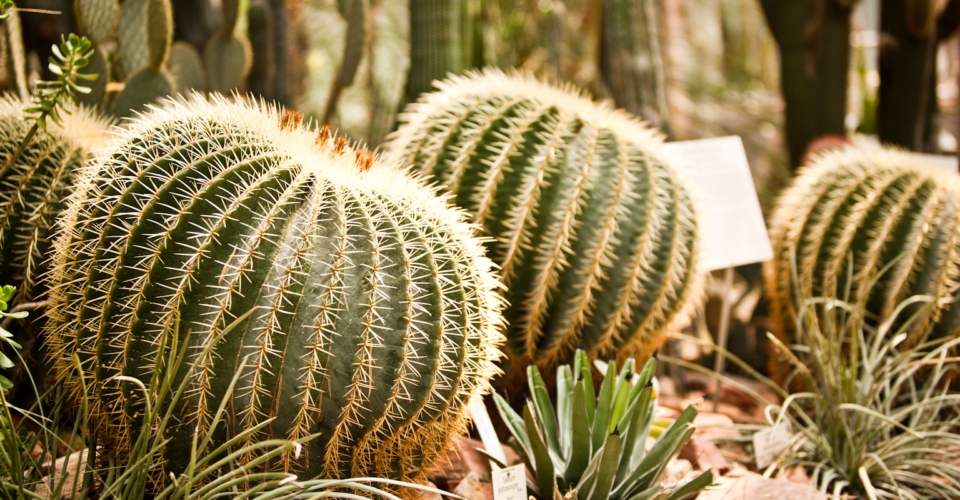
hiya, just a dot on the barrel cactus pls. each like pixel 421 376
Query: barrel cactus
pixel 594 232
pixel 34 190
pixel 375 318
pixel 855 216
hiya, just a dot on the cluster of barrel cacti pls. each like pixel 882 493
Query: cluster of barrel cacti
pixel 594 232
pixel 374 315
pixel 870 226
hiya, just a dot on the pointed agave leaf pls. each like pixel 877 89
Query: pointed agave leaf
pixel 543 464
pixel 565 388
pixel 580 449
pixel 646 374
pixel 516 425
pixel 636 427
pixel 669 444
pixel 581 369
pixel 654 493
pixel 650 468
pixel 619 405
pixel 604 404
pixel 693 487
pixel 544 407
pixel 607 470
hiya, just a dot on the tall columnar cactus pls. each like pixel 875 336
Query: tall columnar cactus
pixel 631 64
pixel 876 210
pixel 594 232
pixel 435 45
pixel 375 318
pixel 34 191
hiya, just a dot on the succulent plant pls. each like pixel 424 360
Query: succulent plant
pixel 594 232
pixel 594 446
pixel 35 188
pixel 855 216
pixel 152 81
pixel 374 313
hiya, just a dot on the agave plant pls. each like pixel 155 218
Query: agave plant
pixel 594 447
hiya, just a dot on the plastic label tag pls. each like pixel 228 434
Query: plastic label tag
pixel 510 483
pixel 732 227
pixel 768 443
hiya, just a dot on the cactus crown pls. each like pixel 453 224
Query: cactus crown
pixel 375 317
pixel 879 211
pixel 594 232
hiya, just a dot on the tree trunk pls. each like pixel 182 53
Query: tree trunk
pixel 813 37
pixel 907 67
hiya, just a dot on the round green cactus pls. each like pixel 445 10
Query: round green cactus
pixel 35 189
pixel 375 317
pixel 593 230
pixel 883 213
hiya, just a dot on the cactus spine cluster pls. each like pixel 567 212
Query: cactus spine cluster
pixel 35 188
pixel 594 232
pixel 875 210
pixel 375 317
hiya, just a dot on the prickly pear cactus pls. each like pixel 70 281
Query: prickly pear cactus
pixel 875 210
pixel 153 81
pixel 227 54
pixel 34 190
pixel 593 231
pixel 375 317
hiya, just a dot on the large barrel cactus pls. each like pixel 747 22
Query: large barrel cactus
pixel 593 230
pixel 34 189
pixel 375 318
pixel 855 216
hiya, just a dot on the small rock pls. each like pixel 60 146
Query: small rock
pixel 472 488
pixel 705 455
pixel 429 495
pixel 678 470
pixel 714 426
pixel 795 474
pixel 76 465
pixel 755 487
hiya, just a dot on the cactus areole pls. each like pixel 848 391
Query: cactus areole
pixel 375 317
pixel 594 232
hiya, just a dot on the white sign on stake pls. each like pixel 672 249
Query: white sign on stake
pixel 941 162
pixel 510 483
pixel 732 228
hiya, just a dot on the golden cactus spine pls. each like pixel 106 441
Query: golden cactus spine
pixel 595 233
pixel 375 317
pixel 871 209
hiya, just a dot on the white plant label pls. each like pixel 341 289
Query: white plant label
pixel 942 162
pixel 769 442
pixel 510 483
pixel 488 435
pixel 732 228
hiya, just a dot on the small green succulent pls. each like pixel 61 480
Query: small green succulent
pixel 593 446
pixel 6 296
